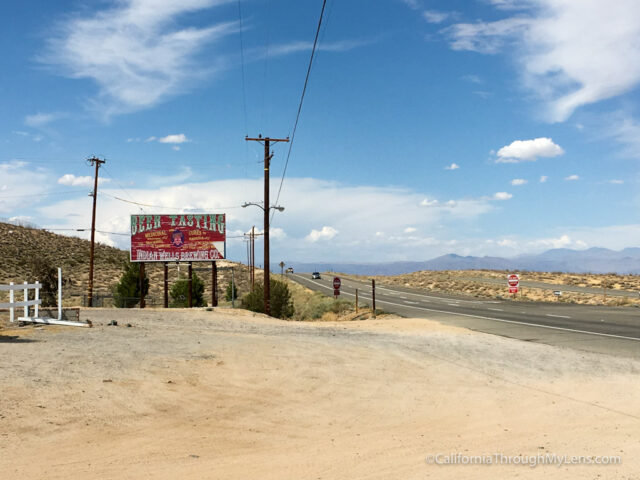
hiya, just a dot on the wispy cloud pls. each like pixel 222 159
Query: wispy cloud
pixel 543 178
pixel 134 52
pixel 40 119
pixel 569 53
pixel 326 233
pixel 306 46
pixel 502 196
pixel 572 178
pixel 516 182
pixel 453 166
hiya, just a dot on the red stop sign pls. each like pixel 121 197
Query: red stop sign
pixel 336 283
pixel 513 280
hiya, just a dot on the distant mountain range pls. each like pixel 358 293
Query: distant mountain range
pixel 593 260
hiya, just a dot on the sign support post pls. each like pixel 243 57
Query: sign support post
pixel 214 284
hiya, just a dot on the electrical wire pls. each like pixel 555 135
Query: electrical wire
pixel 66 192
pixel 158 206
pixel 244 88
pixel 304 91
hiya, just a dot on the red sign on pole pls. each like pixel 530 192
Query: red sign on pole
pixel 513 280
pixel 513 289
pixel 336 283
pixel 174 238
pixel 336 292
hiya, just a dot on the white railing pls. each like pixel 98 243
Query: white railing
pixel 26 303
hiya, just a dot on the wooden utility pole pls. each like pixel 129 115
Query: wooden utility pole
pixel 94 162
pixel 253 256
pixel 267 158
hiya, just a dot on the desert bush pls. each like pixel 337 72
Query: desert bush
pixel 281 303
pixel 232 292
pixel 126 293
pixel 180 293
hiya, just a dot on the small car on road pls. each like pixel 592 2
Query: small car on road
pixel 315 276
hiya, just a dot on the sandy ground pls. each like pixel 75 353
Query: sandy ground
pixel 224 395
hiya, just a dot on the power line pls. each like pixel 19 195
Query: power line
pixel 304 91
pixel 66 192
pixel 159 206
pixel 244 89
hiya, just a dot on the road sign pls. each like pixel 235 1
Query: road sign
pixel 513 280
pixel 336 283
pixel 336 292
pixel 513 289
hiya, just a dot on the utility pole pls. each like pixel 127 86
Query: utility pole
pixel 253 256
pixel 94 162
pixel 267 158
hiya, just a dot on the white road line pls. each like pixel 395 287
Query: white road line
pixel 496 309
pixel 453 304
pixel 404 298
pixel 556 316
pixel 498 319
pixel 409 301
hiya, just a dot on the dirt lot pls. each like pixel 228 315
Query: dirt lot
pixel 226 395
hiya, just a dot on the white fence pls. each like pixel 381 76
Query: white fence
pixel 35 303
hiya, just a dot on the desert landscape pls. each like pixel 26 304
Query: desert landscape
pixel 492 284
pixel 228 394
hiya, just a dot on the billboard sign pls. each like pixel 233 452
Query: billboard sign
pixel 178 238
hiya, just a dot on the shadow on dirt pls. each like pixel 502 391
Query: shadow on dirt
pixel 16 339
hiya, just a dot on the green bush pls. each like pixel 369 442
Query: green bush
pixel 228 294
pixel 126 293
pixel 281 303
pixel 317 304
pixel 45 273
pixel 180 293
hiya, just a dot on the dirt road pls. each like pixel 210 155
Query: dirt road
pixel 223 395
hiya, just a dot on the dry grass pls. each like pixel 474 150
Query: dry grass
pixel 471 283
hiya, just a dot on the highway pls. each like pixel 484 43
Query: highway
pixel 610 330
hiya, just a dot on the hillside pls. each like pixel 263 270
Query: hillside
pixel 19 245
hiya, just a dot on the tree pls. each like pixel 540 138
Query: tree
pixel 281 302
pixel 180 293
pixel 228 295
pixel 45 273
pixel 127 291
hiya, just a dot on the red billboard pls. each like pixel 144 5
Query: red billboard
pixel 178 238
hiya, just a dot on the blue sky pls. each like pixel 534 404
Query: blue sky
pixel 482 127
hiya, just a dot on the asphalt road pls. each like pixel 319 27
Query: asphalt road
pixel 611 330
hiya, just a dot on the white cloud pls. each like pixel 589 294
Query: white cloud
pixel 135 52
pixel 518 181
pixel 175 138
pixel 502 196
pixel 453 166
pixel 570 53
pixel 528 150
pixel 40 119
pixel 543 178
pixel 616 182
pixel 81 181
pixel 13 176
pixel 429 202
pixel 410 230
pixel 326 233
pixel 572 178
pixel 435 16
